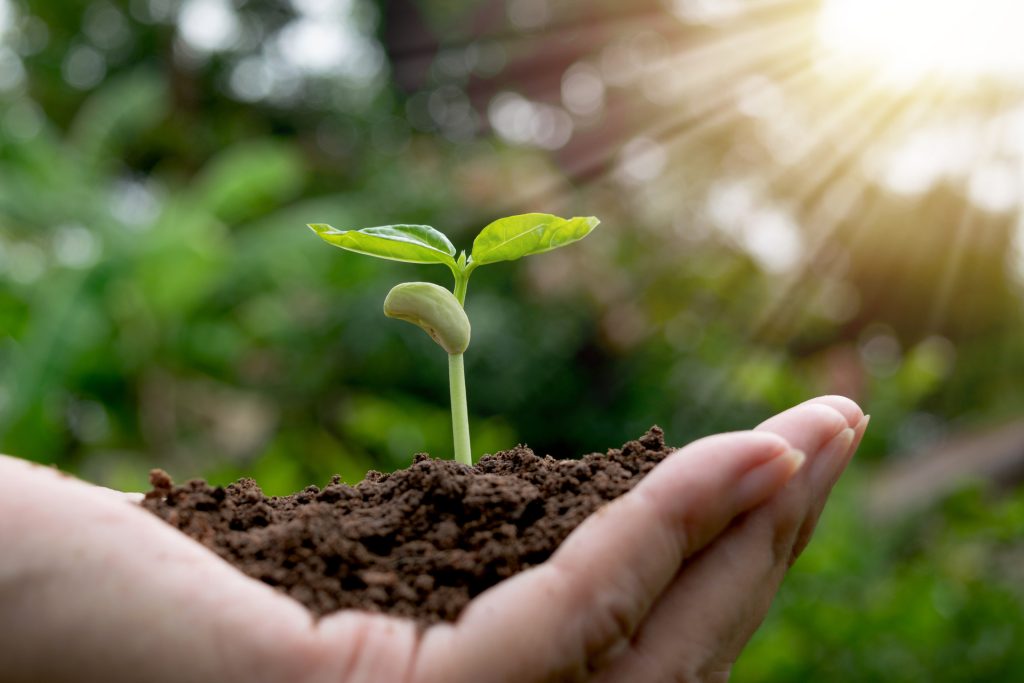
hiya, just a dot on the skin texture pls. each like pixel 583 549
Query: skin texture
pixel 667 583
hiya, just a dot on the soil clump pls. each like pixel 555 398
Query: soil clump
pixel 420 542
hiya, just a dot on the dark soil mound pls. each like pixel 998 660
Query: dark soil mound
pixel 420 542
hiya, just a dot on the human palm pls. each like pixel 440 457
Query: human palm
pixel 667 582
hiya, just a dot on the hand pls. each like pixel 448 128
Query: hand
pixel 666 583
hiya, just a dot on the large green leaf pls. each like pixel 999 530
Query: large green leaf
pixel 409 243
pixel 508 239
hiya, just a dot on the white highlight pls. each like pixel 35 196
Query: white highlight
pixel 529 14
pixel 707 11
pixel 324 47
pixel 927 157
pixel 767 232
pixel 583 90
pixel 912 39
pixel 84 67
pixel 995 186
pixel 642 160
pixel 7 17
pixel 520 121
pixel 75 246
pixel 209 25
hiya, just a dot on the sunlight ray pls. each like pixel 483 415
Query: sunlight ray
pixel 708 59
pixel 843 138
pixel 797 74
pixel 773 316
pixel 578 29
pixel 990 138
pixel 689 73
pixel 596 162
pixel 729 367
pixel 783 306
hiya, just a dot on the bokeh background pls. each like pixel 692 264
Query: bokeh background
pixel 798 197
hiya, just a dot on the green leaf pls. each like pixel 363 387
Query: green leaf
pixel 409 243
pixel 508 239
pixel 433 309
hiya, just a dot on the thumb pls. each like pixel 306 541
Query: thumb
pixel 557 619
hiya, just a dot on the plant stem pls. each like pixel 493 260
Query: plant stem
pixel 460 414
pixel 457 374
pixel 462 271
pixel 461 281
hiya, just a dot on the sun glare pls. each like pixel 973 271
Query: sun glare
pixel 910 40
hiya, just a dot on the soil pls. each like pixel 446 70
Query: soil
pixel 420 542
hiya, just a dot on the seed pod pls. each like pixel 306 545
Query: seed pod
pixel 432 308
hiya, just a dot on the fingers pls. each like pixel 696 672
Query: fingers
pixel 807 423
pixel 554 620
pixel 703 620
pixel 842 405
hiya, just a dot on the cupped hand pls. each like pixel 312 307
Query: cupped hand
pixel 667 582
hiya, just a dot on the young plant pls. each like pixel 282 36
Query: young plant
pixel 433 308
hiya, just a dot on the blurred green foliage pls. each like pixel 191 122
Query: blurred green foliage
pixel 936 599
pixel 162 303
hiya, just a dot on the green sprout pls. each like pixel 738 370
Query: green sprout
pixel 434 309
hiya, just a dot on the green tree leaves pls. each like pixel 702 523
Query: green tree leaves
pixel 508 239
pixel 409 243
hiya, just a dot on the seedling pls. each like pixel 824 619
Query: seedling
pixel 434 309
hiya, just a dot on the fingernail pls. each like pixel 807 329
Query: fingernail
pixel 832 459
pixel 794 457
pixel 763 481
pixel 840 443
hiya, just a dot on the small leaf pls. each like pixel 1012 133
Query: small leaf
pixel 409 243
pixel 433 309
pixel 508 239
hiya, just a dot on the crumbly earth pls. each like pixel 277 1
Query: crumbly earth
pixel 420 542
